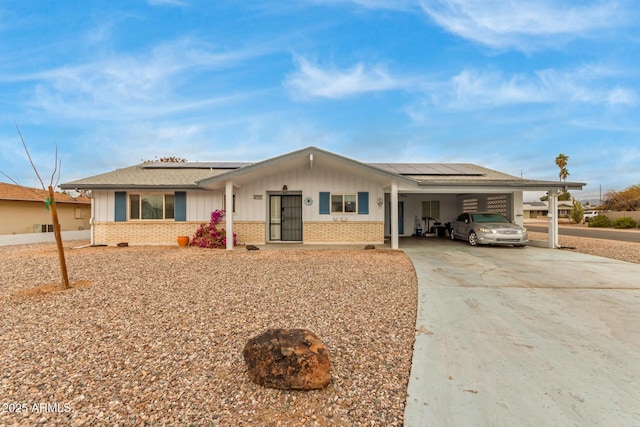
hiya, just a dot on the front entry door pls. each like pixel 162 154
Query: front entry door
pixel 285 218
pixel 400 217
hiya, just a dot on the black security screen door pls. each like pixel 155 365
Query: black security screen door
pixel 285 218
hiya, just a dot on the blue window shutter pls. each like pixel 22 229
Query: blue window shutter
pixel 363 203
pixel 180 206
pixel 120 206
pixel 325 203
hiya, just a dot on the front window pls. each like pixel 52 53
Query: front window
pixel 344 203
pixel 151 206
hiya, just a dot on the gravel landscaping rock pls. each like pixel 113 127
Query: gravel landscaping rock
pixel 623 251
pixel 154 335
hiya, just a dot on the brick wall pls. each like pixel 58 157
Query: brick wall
pixel 166 233
pixel 143 233
pixel 249 232
pixel 343 232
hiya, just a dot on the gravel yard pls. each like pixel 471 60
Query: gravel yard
pixel 623 251
pixel 154 335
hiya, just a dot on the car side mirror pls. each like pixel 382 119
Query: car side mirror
pixel 466 221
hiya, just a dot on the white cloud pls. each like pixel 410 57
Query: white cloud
pixel 622 96
pixel 143 84
pixel 311 81
pixel 523 25
pixel 471 89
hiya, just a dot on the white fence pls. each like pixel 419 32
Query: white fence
pixel 21 239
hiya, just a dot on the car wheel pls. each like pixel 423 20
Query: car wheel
pixel 473 239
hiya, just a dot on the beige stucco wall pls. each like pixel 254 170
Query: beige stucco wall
pixel 17 217
pixel 613 215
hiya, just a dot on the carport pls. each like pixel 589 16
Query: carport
pixel 444 190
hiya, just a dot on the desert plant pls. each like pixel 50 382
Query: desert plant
pixel 624 222
pixel 599 221
pixel 577 212
pixel 50 204
pixel 209 235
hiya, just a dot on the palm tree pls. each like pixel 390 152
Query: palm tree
pixel 561 162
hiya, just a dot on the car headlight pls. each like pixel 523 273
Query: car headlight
pixel 524 230
pixel 485 230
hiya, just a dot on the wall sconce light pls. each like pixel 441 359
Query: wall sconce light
pixel 284 189
pixel 380 202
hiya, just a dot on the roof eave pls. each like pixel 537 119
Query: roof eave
pixel 71 186
pixel 529 185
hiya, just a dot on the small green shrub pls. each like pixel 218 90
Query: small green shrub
pixel 577 212
pixel 624 222
pixel 599 221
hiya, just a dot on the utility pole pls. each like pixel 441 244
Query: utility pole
pixel 600 199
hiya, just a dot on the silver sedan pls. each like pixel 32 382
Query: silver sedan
pixel 488 229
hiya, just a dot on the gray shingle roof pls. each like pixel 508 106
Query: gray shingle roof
pixel 143 176
pixel 189 174
pixel 429 169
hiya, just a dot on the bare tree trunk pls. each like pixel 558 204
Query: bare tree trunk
pixel 58 235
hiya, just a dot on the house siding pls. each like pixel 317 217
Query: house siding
pixel 200 204
pixel 308 183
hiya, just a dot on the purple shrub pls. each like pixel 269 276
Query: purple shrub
pixel 209 235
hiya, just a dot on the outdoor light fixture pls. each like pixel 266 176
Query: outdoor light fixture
pixel 284 189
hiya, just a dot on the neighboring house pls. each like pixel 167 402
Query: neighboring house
pixel 308 196
pixel 534 210
pixel 23 210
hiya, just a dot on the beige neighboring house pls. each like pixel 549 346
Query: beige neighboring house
pixel 23 211
pixel 532 210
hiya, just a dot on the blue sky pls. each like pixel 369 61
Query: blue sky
pixel 505 84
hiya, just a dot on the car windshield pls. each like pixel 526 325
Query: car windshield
pixel 488 217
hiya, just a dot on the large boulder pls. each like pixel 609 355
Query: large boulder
pixel 288 359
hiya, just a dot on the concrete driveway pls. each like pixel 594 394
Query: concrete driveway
pixel 526 337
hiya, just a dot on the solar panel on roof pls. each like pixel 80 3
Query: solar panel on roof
pixel 426 168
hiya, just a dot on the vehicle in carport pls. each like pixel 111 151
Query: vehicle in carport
pixel 487 228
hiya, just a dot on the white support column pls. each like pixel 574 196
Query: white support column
pixel 518 213
pixel 394 215
pixel 553 219
pixel 93 215
pixel 228 194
